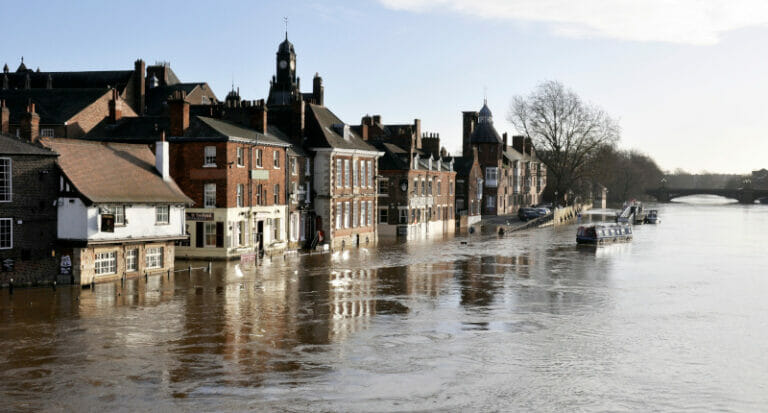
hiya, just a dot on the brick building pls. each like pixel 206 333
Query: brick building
pixel 237 178
pixel 513 177
pixel 417 185
pixel 119 213
pixel 28 191
pixel 469 189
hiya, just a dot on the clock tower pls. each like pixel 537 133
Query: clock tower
pixel 284 87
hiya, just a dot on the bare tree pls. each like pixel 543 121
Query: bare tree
pixel 566 132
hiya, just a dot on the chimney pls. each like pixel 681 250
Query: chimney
pixel 161 158
pixel 365 122
pixel 528 146
pixel 417 132
pixel 179 113
pixel 297 124
pixel 469 122
pixel 518 143
pixel 115 107
pixel 30 124
pixel 5 118
pixel 139 91
pixel 431 144
pixel 317 89
pixel 258 119
pixel 504 138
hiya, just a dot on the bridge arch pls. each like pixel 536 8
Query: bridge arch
pixel 743 195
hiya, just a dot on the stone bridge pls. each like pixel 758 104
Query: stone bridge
pixel 743 195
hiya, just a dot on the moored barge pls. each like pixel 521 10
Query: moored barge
pixel 599 234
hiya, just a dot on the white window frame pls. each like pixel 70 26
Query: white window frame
pixel 277 233
pixel 347 215
pixel 154 257
pixel 209 230
pixel 491 176
pixel 276 159
pixel 239 195
pixel 6 180
pixel 363 174
pixel 162 214
pixel 356 214
pixel 347 182
pixel 240 156
pixel 339 173
pixel 294 167
pixel 370 173
pixel 355 176
pixel 276 195
pixel 46 132
pixel 258 154
pixel 209 195
pixel 339 215
pixel 105 263
pixel 131 260
pixel 209 157
pixel 6 223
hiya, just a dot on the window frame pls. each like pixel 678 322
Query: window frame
pixel 10 233
pixel 383 213
pixel 131 256
pixel 240 154
pixel 207 157
pixel 239 189
pixel 105 263
pixel 159 214
pixel 276 195
pixel 209 194
pixel 154 258
pixel 259 157
pixel 276 159
pixel 209 231
pixel 6 175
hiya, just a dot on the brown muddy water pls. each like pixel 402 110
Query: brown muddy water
pixel 675 321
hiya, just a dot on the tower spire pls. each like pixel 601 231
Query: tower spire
pixel 285 19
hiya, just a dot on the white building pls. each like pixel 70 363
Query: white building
pixel 119 212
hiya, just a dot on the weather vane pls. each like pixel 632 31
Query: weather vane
pixel 285 19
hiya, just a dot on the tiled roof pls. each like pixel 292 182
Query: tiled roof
pixel 201 128
pixel 157 96
pixel 145 130
pixel 15 146
pixel 55 106
pixel 114 172
pixel 322 125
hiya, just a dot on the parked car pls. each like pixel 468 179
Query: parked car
pixel 527 213
pixel 543 211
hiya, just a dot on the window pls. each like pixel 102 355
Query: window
pixel 276 159
pixel 429 186
pixel 439 187
pixel 369 215
pixel 347 181
pixel 132 260
pixel 423 187
pixel 161 214
pixel 209 232
pixel 240 160
pixel 383 216
pixel 294 227
pixel 259 189
pixel 5 180
pixel 277 194
pixel 258 154
pixel 294 169
pixel 6 233
pixel 338 215
pixel 415 186
pixel 413 216
pixel 450 187
pixel 356 181
pixel 347 215
pixel 491 176
pixel 356 214
pixel 403 216
pixel 209 196
pixel 105 263
pixel 46 132
pixel 491 202
pixel 118 211
pixel 362 173
pixel 307 171
pixel 239 195
pixel 276 229
pixel 241 233
pixel 154 257
pixel 370 173
pixel 210 156
pixel 339 180
pixel 383 188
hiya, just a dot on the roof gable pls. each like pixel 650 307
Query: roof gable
pixel 323 128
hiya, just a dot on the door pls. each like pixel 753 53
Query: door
pixel 260 237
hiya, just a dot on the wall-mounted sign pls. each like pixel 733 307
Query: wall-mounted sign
pixel 66 265
pixel 199 216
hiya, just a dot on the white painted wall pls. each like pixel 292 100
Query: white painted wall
pixel 72 219
pixel 78 221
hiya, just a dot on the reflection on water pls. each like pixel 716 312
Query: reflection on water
pixel 524 322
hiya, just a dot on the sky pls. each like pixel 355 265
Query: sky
pixel 686 79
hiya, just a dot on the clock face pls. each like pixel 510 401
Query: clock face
pixel 293 65
pixel 283 64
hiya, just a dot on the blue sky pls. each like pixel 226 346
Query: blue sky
pixel 685 78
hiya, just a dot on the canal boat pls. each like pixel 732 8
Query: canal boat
pixel 652 217
pixel 599 234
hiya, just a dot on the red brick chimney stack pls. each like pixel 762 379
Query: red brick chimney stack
pixel 179 113
pixel 518 143
pixel 30 124
pixel 115 107
pixel 259 116
pixel 139 85
pixel 5 118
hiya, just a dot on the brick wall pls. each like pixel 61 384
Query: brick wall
pixel 35 189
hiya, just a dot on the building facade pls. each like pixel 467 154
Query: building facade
pixel 28 194
pixel 119 213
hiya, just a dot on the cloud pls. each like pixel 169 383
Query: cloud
pixel 699 22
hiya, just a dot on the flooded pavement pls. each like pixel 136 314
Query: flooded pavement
pixel 674 321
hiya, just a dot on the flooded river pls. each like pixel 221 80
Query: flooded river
pixel 676 320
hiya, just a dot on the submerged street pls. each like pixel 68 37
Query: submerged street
pixel 674 320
